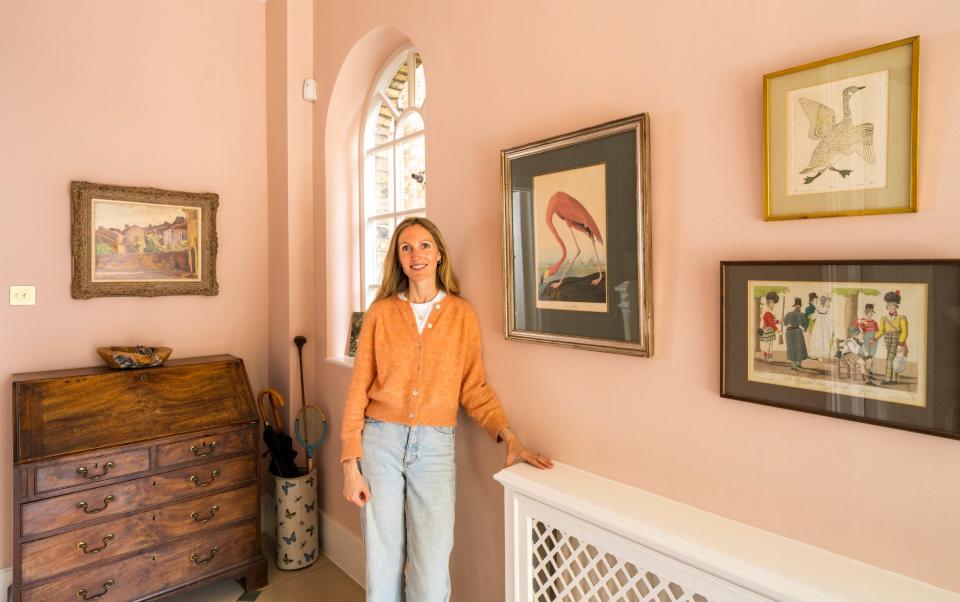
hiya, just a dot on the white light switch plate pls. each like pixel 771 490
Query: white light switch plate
pixel 23 295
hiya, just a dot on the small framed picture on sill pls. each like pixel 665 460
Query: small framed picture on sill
pixel 356 323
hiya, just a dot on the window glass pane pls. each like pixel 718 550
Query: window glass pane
pixel 410 123
pixel 396 90
pixel 380 182
pixel 421 91
pixel 412 175
pixel 383 128
pixel 379 241
pixel 371 294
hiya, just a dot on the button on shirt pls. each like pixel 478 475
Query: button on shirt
pixel 419 378
pixel 422 311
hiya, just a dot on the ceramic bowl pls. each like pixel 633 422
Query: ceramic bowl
pixel 134 357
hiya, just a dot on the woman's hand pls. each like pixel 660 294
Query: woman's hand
pixel 516 452
pixel 355 487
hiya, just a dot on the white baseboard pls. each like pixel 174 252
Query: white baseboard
pixel 342 547
pixel 6 578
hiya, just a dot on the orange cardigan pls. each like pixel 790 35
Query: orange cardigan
pixel 402 376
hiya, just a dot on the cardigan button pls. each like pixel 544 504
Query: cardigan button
pixel 429 325
pixel 415 393
pixel 438 306
pixel 413 414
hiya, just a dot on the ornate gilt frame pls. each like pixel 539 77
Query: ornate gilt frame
pixel 640 126
pixel 914 129
pixel 83 286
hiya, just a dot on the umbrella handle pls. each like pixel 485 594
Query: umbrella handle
pixel 275 396
pixel 259 406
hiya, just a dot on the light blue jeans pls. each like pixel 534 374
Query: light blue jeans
pixel 408 522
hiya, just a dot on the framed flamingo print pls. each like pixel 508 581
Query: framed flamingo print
pixel 576 219
pixel 840 135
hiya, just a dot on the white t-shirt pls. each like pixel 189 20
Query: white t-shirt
pixel 422 311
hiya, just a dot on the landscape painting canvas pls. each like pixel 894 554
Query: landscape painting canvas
pixel 569 239
pixel 145 242
pixel 129 241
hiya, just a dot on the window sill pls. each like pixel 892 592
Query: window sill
pixel 341 360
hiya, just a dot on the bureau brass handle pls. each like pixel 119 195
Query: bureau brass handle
pixel 83 545
pixel 83 472
pixel 106 585
pixel 106 502
pixel 196 480
pixel 207 449
pixel 196 516
pixel 197 560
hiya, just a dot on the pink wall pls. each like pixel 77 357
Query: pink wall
pixel 501 73
pixel 167 94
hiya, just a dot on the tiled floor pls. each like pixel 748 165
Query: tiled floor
pixel 322 582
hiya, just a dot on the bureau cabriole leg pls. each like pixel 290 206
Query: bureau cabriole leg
pixel 255 577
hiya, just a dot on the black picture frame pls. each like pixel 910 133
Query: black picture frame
pixel 923 394
pixel 606 302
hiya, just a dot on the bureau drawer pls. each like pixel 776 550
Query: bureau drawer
pixel 61 553
pixel 176 564
pixel 92 504
pixel 207 446
pixel 83 470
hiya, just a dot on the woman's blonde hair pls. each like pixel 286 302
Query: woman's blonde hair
pixel 395 280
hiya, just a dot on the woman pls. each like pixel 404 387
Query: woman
pixel 821 335
pixel 418 357
pixel 770 324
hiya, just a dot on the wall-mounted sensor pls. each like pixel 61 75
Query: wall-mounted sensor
pixel 310 90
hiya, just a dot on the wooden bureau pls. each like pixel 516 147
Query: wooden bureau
pixel 133 485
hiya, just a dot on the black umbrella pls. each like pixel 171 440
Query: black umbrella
pixel 279 444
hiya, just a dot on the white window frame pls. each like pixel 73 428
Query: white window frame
pixel 368 280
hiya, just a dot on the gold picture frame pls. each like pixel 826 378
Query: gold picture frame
pixel 142 242
pixel 577 239
pixel 840 134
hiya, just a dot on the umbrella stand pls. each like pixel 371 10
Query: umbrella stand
pixel 279 444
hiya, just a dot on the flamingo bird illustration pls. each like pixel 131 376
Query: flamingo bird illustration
pixel 835 138
pixel 577 218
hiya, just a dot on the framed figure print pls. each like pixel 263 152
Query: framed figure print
pixel 576 218
pixel 142 242
pixel 875 341
pixel 840 135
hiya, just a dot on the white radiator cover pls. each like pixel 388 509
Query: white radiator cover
pixel 573 536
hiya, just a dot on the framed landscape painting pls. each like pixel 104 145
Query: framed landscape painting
pixel 875 341
pixel 576 214
pixel 142 242
pixel 840 135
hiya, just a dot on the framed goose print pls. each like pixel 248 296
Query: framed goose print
pixel 576 211
pixel 840 135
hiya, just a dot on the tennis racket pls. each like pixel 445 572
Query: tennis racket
pixel 310 427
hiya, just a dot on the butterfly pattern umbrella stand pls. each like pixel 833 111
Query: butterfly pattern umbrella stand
pixel 297 526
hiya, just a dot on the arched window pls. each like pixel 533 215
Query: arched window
pixel 394 161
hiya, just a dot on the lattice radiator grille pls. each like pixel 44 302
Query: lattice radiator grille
pixel 566 568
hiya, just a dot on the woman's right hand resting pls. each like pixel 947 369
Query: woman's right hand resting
pixel 355 487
